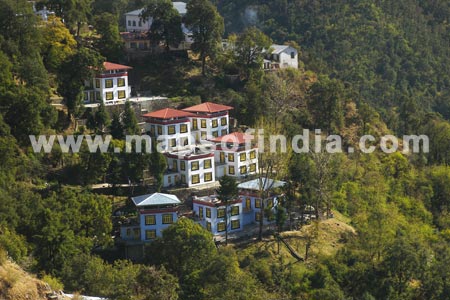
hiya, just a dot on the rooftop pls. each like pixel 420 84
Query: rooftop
pixel 179 6
pixel 235 138
pixel 112 66
pixel 156 199
pixel 168 113
pixel 208 107
pixel 256 184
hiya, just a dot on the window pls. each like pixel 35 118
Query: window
pixel 200 212
pixel 257 203
pixel 221 226
pixel 150 220
pixel 134 23
pixel 235 224
pixel 270 203
pixel 121 94
pixel 167 219
pixel 171 129
pixel 203 123
pixel 129 23
pixel 224 132
pixel 183 128
pixel 208 226
pixel 169 179
pixel 253 154
pixel 222 157
pixel 208 177
pixel 221 213
pixel 230 156
pixel 183 178
pixel 184 141
pixel 97 83
pixel 120 81
pixel 109 95
pixel 231 170
pixel 182 165
pixel 248 203
pixel 173 142
pixel 194 166
pixel 128 231
pixel 194 124
pixel 257 216
pixel 252 167
pixel 175 165
pixel 292 54
pixel 207 164
pixel 97 96
pixel 108 83
pixel 215 133
pixel 243 169
pixel 195 179
pixel 86 96
pixel 215 123
pixel 223 121
pixel 242 156
pixel 150 234
pixel 208 212
pixel 235 210
pixel 140 23
pixel 159 129
pixel 203 135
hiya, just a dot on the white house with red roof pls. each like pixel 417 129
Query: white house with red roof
pixel 236 155
pixel 211 120
pixel 170 127
pixel 110 85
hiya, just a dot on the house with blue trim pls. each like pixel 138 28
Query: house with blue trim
pixel 209 211
pixel 156 212
pixel 250 196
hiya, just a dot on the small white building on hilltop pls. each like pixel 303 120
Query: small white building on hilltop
pixel 109 85
pixel 281 57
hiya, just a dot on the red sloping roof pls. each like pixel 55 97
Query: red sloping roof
pixel 112 66
pixel 208 107
pixel 168 113
pixel 235 137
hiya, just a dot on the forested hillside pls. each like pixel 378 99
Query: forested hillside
pixel 394 54
pixel 366 67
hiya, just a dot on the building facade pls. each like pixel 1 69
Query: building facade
pixel 232 157
pixel 210 120
pixel 253 204
pixel 281 57
pixel 210 212
pixel 156 212
pixel 108 86
pixel 171 127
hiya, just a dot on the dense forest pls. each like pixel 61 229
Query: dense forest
pixel 367 67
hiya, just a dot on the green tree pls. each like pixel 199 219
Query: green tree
pixel 129 121
pixel 110 44
pixel 250 50
pixel 158 165
pixel 207 29
pixel 227 192
pixel 166 23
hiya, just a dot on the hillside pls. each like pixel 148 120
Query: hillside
pixel 16 284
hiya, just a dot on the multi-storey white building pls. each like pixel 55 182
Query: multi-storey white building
pixel 190 167
pixel 171 127
pixel 155 213
pixel 110 85
pixel 210 213
pixel 232 157
pixel 211 120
